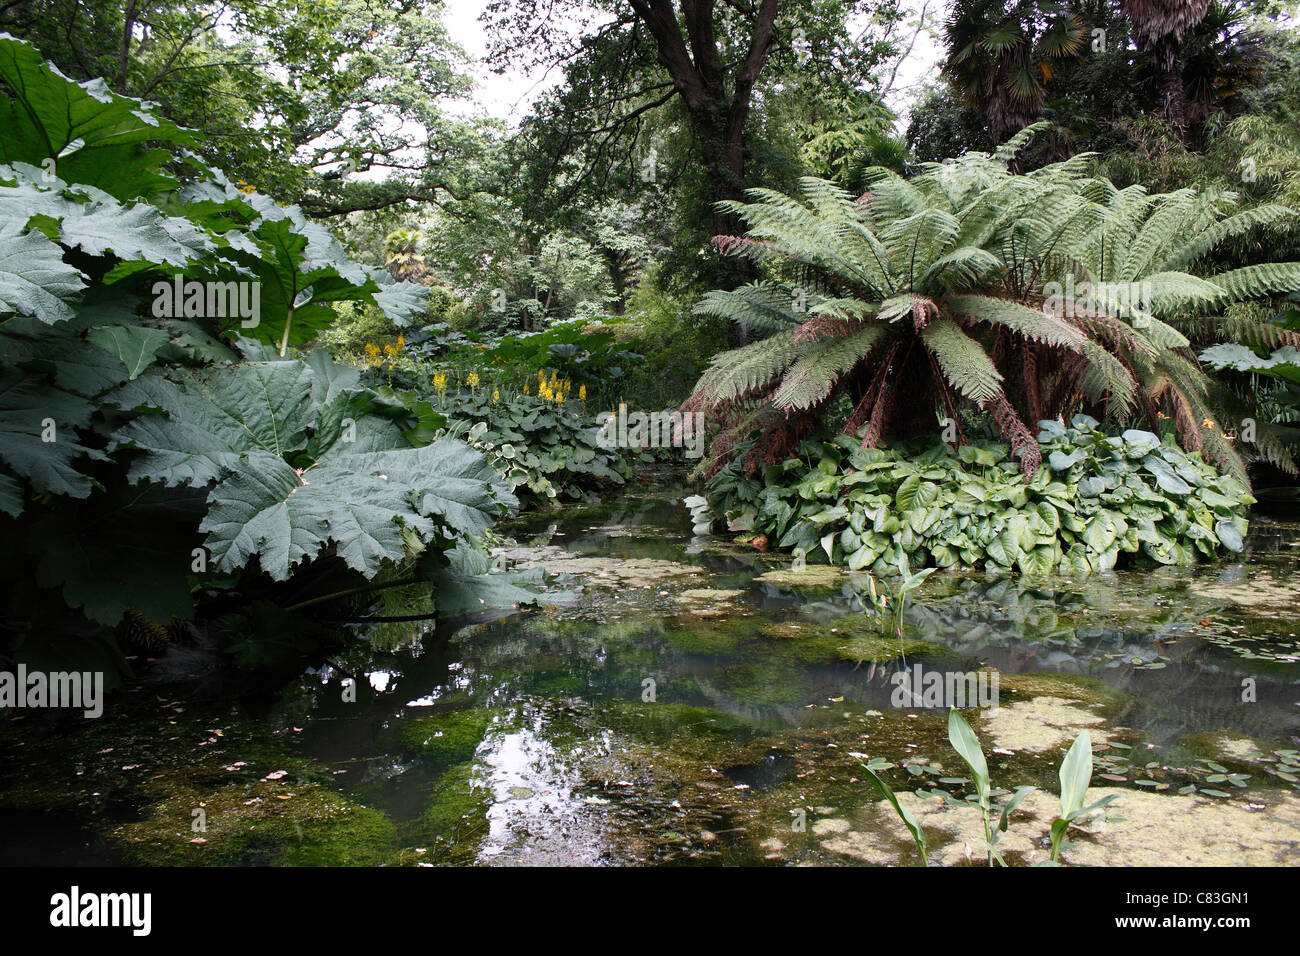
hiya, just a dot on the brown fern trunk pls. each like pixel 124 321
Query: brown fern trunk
pixel 1013 430
pixel 1065 386
pixel 1032 396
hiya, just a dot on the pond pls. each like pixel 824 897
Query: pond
pixel 694 700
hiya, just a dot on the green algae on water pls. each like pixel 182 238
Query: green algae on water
pixel 267 823
pixel 447 738
pixel 456 814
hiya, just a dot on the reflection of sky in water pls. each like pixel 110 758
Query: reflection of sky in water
pixel 536 817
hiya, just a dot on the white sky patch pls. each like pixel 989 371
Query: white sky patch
pixel 505 96
pixel 509 95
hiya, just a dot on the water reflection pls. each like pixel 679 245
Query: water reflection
pixel 1177 642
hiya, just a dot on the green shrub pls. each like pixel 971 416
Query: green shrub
pixel 677 346
pixel 539 447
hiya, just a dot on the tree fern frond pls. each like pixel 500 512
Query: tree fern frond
pixel 820 365
pixel 1034 324
pixel 1254 281
pixel 1168 214
pixel 739 373
pixel 964 362
pixel 1105 376
pixel 761 307
pixel 1204 241
pixel 1007 151
pixel 962 268
pixel 843 308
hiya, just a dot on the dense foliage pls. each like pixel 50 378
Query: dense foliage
pixel 542 448
pixel 1097 499
pixel 969 287
pixel 300 100
pixel 157 452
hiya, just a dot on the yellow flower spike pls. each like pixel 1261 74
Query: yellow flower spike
pixel 559 399
pixel 472 379
pixel 582 393
pixel 401 342
pixel 526 388
pixel 496 395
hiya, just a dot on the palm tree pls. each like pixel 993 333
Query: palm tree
pixel 1025 296
pixel 405 260
pixel 1159 27
pixel 1001 56
pixel 1222 57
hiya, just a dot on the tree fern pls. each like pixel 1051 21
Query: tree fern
pixel 950 288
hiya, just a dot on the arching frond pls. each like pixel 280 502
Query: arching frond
pixel 821 365
pixel 739 373
pixel 964 362
pixel 1034 324
pixel 761 307
pixel 1254 281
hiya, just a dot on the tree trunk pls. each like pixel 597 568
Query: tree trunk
pixel 1175 95
pixel 717 118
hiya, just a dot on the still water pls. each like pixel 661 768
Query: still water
pixel 673 701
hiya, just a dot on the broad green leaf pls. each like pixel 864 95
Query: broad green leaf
pixel 215 417
pixel 134 345
pixel 34 279
pixel 909 821
pixel 1075 774
pixel 967 745
pixel 358 504
pixel 45 115
pixel 38 434
pixel 1005 818
pixel 1229 536
pixel 121 550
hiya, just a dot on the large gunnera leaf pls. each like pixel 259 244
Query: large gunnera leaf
pixel 94 135
pixel 92 220
pixel 121 550
pixel 358 503
pixel 38 434
pixel 301 458
pixel 1284 363
pixel 34 279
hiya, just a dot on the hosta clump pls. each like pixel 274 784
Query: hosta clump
pixel 298 458
pixel 541 448
pixel 1097 498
